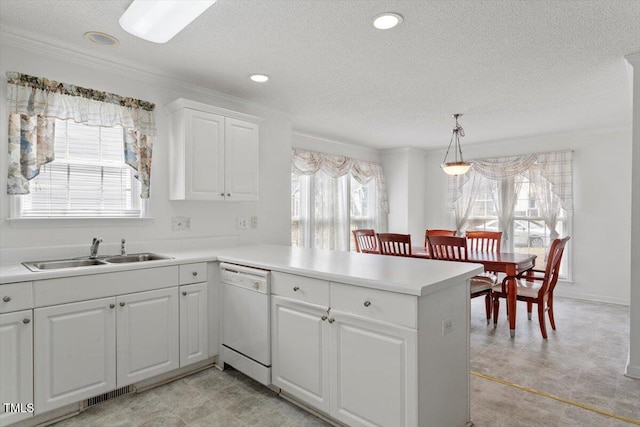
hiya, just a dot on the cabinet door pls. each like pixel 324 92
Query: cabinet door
pixel 204 155
pixel 241 160
pixel 300 350
pixel 374 374
pixel 16 366
pixel 147 334
pixel 194 321
pixel 75 347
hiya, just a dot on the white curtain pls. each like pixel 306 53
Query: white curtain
pixel 330 213
pixel 550 177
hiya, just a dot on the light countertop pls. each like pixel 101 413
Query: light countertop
pixel 396 274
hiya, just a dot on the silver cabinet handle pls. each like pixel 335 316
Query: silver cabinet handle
pixel 122 304
pixel 256 285
pixel 331 320
pixel 195 273
pixel 6 299
pixel 112 306
pixel 323 318
pixel 228 194
pixel 26 321
pixel 184 293
pixel 296 289
pixel 367 303
pixel 222 194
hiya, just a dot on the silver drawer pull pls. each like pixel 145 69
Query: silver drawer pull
pixel 323 318
pixel 367 303
pixel 296 289
pixel 26 321
pixel 256 285
pixel 122 304
pixel 112 306
pixel 331 320
pixel 222 194
pixel 184 293
pixel 195 273
pixel 6 299
pixel 228 194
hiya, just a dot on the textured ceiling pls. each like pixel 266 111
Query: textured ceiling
pixel 514 68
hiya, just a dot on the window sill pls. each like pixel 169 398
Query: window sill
pixel 77 222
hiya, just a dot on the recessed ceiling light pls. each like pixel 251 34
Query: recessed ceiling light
pixel 387 21
pixel 103 39
pixel 259 78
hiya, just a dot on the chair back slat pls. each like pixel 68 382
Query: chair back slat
pixel 395 244
pixel 448 248
pixel 485 241
pixel 434 232
pixel 366 241
pixel 552 271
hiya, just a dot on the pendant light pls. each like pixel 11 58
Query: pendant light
pixel 459 166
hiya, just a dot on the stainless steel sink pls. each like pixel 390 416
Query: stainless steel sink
pixel 142 257
pixel 88 262
pixel 63 263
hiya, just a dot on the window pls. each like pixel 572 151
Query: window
pixel 87 179
pixel 324 210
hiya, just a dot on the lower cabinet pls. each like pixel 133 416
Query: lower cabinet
pixel 16 366
pixel 300 350
pixel 76 351
pixel 361 372
pixel 194 324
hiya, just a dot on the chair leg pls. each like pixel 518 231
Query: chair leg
pixel 496 309
pixel 529 309
pixel 550 310
pixel 543 326
pixel 487 306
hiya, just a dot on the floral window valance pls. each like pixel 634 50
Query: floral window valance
pixel 309 162
pixel 33 105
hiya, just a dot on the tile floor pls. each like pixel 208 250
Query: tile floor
pixel 582 361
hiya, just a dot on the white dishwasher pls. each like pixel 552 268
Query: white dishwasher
pixel 246 319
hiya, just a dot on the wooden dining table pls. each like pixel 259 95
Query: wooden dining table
pixel 508 263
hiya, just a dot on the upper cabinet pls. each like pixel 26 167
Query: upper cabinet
pixel 213 153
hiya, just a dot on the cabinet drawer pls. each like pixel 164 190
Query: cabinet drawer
pixel 16 296
pixel 193 273
pixel 375 304
pixel 300 288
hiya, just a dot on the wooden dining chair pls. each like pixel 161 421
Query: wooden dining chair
pixel 395 244
pixel 536 287
pixel 485 241
pixel 366 241
pixel 428 233
pixel 451 248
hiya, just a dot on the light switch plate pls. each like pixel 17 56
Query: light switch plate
pixel 180 223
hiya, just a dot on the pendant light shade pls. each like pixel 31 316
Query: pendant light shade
pixel 458 166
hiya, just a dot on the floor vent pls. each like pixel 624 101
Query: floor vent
pixel 108 396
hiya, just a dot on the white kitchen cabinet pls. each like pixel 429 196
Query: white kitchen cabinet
pixel 194 322
pixel 16 365
pixel 147 340
pixel 75 352
pixel 213 152
pixel 300 350
pixel 374 373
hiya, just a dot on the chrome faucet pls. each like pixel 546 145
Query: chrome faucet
pixel 123 249
pixel 94 248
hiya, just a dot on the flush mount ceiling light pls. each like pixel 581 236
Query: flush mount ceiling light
pixel 459 166
pixel 159 21
pixel 102 39
pixel 259 78
pixel 386 21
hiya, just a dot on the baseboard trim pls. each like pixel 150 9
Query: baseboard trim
pixel 632 371
pixel 591 297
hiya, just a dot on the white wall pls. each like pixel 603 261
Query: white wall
pixel 208 219
pixel 405 177
pixel 600 237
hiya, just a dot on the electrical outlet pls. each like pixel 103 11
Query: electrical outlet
pixel 254 222
pixel 447 326
pixel 180 223
pixel 243 223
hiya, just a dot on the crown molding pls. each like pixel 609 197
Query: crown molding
pixel 127 70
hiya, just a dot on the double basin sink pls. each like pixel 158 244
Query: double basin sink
pixel 88 262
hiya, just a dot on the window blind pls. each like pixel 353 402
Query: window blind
pixel 88 177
